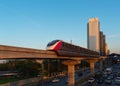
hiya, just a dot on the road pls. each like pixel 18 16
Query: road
pixel 63 80
pixel 116 68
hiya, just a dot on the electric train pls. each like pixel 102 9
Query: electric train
pixel 66 49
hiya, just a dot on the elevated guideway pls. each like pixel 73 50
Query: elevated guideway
pixel 11 52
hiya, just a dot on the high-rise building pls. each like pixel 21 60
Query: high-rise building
pixel 102 44
pixel 94 34
pixel 106 49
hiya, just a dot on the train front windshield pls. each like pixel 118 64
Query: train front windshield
pixel 52 43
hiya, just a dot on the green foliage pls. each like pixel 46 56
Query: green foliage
pixel 52 66
pixel 27 68
pixel 3 67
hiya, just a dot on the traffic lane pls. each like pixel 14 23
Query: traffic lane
pixel 62 82
pixel 85 73
pixel 107 84
pixel 98 84
pixel 116 68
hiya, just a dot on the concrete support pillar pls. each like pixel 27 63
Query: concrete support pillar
pixel 92 68
pixel 71 70
pixel 92 62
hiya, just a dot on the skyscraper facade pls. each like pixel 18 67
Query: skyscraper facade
pixel 106 49
pixel 94 34
pixel 102 44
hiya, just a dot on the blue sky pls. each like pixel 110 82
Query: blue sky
pixel 34 23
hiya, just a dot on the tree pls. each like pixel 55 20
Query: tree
pixel 27 68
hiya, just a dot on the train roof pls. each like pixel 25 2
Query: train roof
pixel 52 42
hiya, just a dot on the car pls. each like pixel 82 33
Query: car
pixel 111 76
pixel 98 75
pixel 118 74
pixel 91 80
pixel 55 80
pixel 109 70
pixel 104 74
pixel 117 80
pixel 108 80
pixel 100 80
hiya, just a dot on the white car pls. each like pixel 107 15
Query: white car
pixel 91 80
pixel 56 80
pixel 117 80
